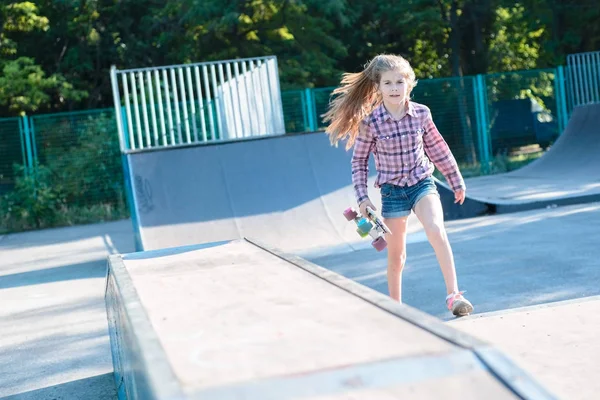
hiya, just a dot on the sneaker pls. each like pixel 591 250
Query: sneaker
pixel 458 304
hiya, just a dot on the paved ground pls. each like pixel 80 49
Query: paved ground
pixel 54 342
pixel 557 342
pixel 52 287
pixel 503 261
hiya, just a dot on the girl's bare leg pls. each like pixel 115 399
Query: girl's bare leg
pixel 396 255
pixel 430 213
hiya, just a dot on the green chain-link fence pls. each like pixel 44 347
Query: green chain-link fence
pixel 70 166
pixel 12 151
pixel 74 175
pixel 522 108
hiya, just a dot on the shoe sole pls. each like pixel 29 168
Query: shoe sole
pixel 462 308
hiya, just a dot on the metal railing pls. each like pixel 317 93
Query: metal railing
pixel 185 104
pixel 583 71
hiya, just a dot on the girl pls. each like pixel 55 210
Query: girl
pixel 374 113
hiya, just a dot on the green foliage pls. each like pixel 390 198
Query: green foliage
pixel 37 202
pixel 87 166
pixel 74 43
pixel 24 87
pixel 18 17
pixel 34 202
pixel 80 180
pixel 515 43
pixel 535 85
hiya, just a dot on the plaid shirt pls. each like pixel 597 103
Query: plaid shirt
pixel 399 149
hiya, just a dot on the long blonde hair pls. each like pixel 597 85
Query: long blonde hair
pixel 358 97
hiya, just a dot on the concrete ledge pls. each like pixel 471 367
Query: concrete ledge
pixel 368 376
pixel 139 362
pixel 506 371
pixel 158 353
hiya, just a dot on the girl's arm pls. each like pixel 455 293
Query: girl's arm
pixel 363 146
pixel 439 153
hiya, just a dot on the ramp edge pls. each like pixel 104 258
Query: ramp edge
pixel 334 381
pixel 475 206
pixel 532 308
pixel 505 370
pixel 147 369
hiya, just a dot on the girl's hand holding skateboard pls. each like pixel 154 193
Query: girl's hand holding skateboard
pixel 363 207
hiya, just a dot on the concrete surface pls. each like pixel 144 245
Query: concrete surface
pixel 502 261
pixel 53 338
pixel 496 254
pixel 235 320
pixel 557 342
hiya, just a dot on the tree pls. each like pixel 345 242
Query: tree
pixel 75 42
pixel 24 85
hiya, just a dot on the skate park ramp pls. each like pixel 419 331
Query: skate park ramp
pixel 291 190
pixel 568 173
pixel 239 320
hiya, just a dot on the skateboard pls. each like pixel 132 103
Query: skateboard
pixel 371 226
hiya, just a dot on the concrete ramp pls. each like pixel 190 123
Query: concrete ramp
pixel 237 320
pixel 568 173
pixel 290 191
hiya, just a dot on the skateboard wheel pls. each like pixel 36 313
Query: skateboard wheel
pixel 350 214
pixel 364 227
pixel 362 234
pixel 379 243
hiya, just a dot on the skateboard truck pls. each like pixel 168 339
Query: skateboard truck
pixel 371 226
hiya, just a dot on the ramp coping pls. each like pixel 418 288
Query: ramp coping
pixel 336 380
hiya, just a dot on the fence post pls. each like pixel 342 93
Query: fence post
pixel 483 134
pixel 305 121
pixel 22 140
pixel 310 109
pixel 313 108
pixel 33 140
pixel 26 134
pixel 486 118
pixel 561 99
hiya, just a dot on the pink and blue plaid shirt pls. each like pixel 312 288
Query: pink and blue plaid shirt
pixel 399 148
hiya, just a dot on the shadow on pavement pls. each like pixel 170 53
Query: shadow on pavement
pixel 101 387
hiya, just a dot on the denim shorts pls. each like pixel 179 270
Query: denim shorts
pixel 398 201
